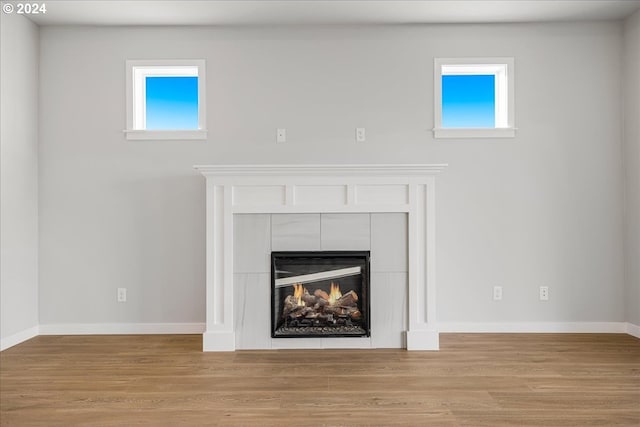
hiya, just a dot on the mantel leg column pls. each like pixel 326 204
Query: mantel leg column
pixel 220 333
pixel 422 333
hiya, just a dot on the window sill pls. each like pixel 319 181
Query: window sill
pixel 474 133
pixel 166 134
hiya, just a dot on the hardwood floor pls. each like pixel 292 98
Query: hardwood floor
pixel 475 380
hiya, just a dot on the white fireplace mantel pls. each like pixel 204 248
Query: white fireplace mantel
pixel 242 189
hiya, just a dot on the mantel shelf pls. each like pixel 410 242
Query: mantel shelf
pixel 322 170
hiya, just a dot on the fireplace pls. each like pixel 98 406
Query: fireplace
pixel 320 294
pixel 233 190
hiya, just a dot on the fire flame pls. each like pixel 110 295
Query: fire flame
pixel 298 291
pixel 335 293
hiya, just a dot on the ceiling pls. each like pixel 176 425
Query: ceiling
pixel 292 12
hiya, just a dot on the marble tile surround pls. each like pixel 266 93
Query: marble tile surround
pixel 252 249
pixel 295 232
pixel 345 232
pixel 256 235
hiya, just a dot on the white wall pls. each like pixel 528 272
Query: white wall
pixel 631 81
pixel 544 208
pixel 19 179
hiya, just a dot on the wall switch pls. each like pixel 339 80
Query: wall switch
pixel 281 135
pixel 360 135
pixel 544 293
pixel 497 293
pixel 122 294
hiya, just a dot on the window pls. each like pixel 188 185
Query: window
pixel 474 97
pixel 166 99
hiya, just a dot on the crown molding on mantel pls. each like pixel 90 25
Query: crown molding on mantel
pixel 323 170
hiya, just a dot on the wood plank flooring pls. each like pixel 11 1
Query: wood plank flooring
pixel 474 380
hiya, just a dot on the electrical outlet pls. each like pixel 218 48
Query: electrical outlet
pixel 497 293
pixel 360 135
pixel 122 294
pixel 281 135
pixel 544 293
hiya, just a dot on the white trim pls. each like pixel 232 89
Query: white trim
pixel 352 208
pixel 136 73
pixel 474 133
pixel 534 327
pixel 19 337
pixel 218 341
pixel 175 135
pixel 322 170
pixel 633 330
pixel 225 341
pixel 503 68
pixel 383 188
pixel 423 340
pixel 121 328
pixel 466 68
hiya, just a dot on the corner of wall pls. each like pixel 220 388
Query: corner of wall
pixel 631 168
pixel 19 78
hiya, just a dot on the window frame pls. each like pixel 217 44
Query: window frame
pixel 503 69
pixel 137 71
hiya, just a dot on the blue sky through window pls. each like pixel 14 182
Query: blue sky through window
pixel 172 103
pixel 468 101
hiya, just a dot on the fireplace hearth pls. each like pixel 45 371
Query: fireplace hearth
pixel 320 294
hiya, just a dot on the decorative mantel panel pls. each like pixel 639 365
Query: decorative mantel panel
pixel 242 189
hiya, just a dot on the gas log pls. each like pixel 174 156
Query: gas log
pixel 309 300
pixel 318 308
pixel 290 304
pixel 348 299
pixel 321 302
pixel 321 294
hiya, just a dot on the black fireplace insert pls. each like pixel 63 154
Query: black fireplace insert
pixel 320 294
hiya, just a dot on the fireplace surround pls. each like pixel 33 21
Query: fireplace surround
pixel 290 189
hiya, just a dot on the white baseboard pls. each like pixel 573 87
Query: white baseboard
pixel 19 337
pixel 212 342
pixel 536 327
pixel 633 330
pixel 121 328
